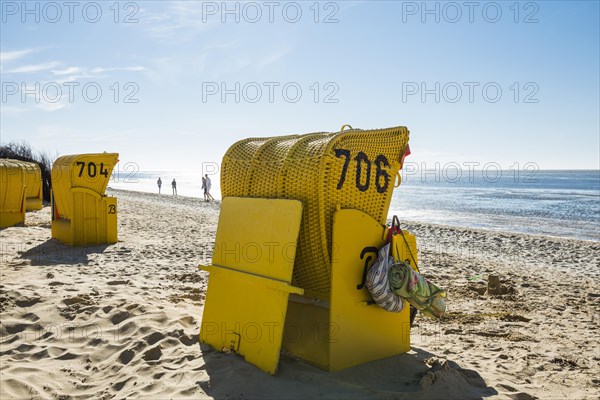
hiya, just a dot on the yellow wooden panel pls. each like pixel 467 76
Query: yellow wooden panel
pixel 247 296
pixel 404 248
pixel 360 331
pixel 258 236
pixel 61 231
pixel 245 314
pixel 110 210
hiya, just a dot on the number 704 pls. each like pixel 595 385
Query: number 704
pixel 92 169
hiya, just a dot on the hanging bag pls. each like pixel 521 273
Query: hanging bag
pixel 378 282
pixel 394 278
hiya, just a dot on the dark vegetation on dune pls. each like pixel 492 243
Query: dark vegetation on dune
pixel 22 151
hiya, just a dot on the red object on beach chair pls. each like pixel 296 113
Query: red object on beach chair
pixel 394 229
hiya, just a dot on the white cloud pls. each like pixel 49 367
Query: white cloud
pixel 72 78
pixel 14 55
pixel 37 97
pixel 71 74
pixel 67 71
pixel 25 69
pixel 47 106
pixel 85 72
pixel 99 70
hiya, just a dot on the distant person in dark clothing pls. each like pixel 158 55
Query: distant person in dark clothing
pixel 159 183
pixel 174 186
pixel 207 188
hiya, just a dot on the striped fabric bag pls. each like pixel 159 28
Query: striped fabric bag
pixel 378 282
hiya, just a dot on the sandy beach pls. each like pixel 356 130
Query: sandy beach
pixel 122 321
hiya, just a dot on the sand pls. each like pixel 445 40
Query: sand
pixel 122 320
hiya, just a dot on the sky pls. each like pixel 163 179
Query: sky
pixel 170 85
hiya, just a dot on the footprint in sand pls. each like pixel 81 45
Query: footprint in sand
pixel 12 328
pixel 30 317
pixel 83 300
pixel 126 356
pixel 153 354
pixel 154 338
pixel 114 283
pixel 27 302
pixel 119 385
pixel 119 317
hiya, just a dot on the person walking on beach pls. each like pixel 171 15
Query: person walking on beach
pixel 159 183
pixel 204 188
pixel 174 186
pixel 207 186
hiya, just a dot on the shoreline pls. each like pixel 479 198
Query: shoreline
pixel 403 222
pixel 122 320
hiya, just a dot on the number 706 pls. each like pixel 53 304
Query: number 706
pixel 382 178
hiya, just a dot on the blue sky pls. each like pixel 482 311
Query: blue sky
pixel 369 63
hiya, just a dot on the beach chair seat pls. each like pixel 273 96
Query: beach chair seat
pixel 81 212
pixel 12 193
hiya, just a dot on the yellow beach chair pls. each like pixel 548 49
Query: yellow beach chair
pixel 81 213
pixel 344 181
pixel 33 183
pixel 12 193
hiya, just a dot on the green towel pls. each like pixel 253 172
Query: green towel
pixel 417 290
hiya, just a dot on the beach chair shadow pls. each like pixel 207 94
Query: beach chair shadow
pixel 53 252
pixel 400 376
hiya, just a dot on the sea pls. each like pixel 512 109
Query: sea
pixel 554 203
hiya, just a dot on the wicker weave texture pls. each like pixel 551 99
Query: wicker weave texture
pixel 350 169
